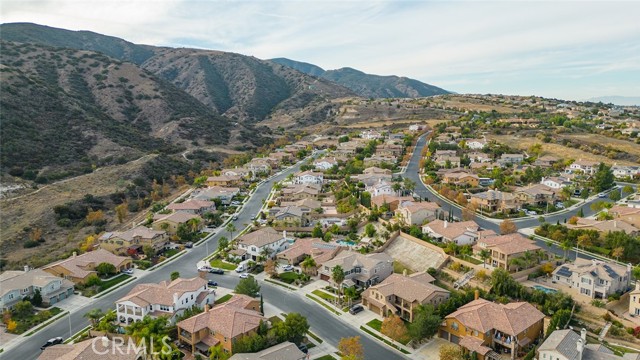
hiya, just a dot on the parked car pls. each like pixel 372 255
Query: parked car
pixel 303 348
pixel 288 268
pixel 234 218
pixel 355 309
pixel 217 271
pixel 127 271
pixel 205 268
pixel 602 195
pixel 188 245
pixel 244 275
pixel 531 212
pixel 212 283
pixel 51 342
pixel 560 205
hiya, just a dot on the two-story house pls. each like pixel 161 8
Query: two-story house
pixel 555 182
pixel 536 194
pixel 506 159
pixel 461 178
pixel 371 135
pixel 634 300
pixel 546 161
pixel 325 163
pixel 289 215
pixel 118 242
pixel 95 348
pixel 225 194
pixel 494 200
pixel 362 270
pixel 17 285
pixel 258 166
pixel 569 345
pixel 283 351
pixel 263 242
pixel 301 192
pixel 390 201
pixel 594 278
pixel 416 213
pixel 237 171
pixel 78 268
pixel 476 144
pixel 381 188
pixel 620 171
pixel 491 330
pixel 308 177
pixel 585 166
pixel 196 207
pixel 224 180
pixel 379 160
pixel 221 325
pixel 171 222
pixel 167 298
pixel 504 248
pixel 461 233
pixel 446 160
pixel 402 294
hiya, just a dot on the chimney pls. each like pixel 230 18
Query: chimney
pixel 175 298
pixel 404 272
pixel 74 254
pixel 26 268
pixel 207 307
pixel 284 234
pixel 580 348
pixel 446 223
pixel 615 224
pixel 583 335
pixel 476 294
pixel 105 341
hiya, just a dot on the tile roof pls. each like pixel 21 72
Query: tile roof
pixel 12 280
pixel 350 259
pixel 415 206
pixel 177 217
pixel 282 351
pixel 191 205
pixel 379 200
pixel 92 349
pixel 598 268
pixel 229 319
pixel 163 292
pixel 224 178
pixel 261 237
pixel 215 192
pixel 474 344
pixel 605 225
pixel 78 265
pixel 376 170
pixel 510 244
pixel 483 316
pixel 142 232
pixel 415 287
pixel 452 230
pixel 494 195
pixel 624 210
pixel 565 342
pixel 313 247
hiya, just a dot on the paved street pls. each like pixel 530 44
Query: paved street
pixel 323 324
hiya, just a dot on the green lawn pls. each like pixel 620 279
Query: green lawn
pixel 288 277
pixel 325 357
pixel 275 319
pixel 325 305
pixel 399 268
pixel 470 259
pixel 169 253
pixel 25 323
pixel 223 299
pixel 376 324
pixel 324 295
pixel 217 263
pixel 113 281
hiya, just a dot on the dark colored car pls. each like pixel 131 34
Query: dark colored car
pixel 355 309
pixel 212 283
pixel 217 271
pixel 51 342
pixel 303 348
pixel 188 245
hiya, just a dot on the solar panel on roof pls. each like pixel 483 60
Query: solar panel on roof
pixel 564 271
pixel 610 271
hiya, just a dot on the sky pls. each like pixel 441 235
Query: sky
pixel 571 50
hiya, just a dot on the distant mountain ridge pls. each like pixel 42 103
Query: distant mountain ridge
pixel 367 85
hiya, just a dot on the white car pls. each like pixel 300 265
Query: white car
pixel 205 268
pixel 288 268
pixel 244 275
pixel 127 271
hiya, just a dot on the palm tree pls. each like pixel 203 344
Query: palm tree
pixel 231 229
pixel 94 316
pixel 485 255
pixel 396 187
pixel 308 264
pixel 617 252
pixel 218 353
pixel 528 258
pixel 265 254
pixel 518 262
pixel 566 246
pixel 150 331
pixel 194 224
pixel 337 274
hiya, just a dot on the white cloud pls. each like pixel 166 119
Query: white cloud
pixel 479 46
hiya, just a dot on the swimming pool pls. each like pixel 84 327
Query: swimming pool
pixel 545 289
pixel 346 243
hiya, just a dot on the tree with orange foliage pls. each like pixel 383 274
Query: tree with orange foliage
pixel 461 199
pixel 394 327
pixel 351 348
pixel 12 325
pixel 573 220
pixel 88 243
pixel 122 211
pixel 94 216
pixel 507 227
pixel 469 212
pixel 36 234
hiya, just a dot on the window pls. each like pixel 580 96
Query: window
pixel 191 296
pixel 454 325
pixel 10 296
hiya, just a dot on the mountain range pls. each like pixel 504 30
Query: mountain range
pixel 76 99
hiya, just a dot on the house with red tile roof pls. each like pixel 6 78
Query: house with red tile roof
pixel 504 248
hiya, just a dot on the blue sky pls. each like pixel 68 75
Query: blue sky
pixel 563 49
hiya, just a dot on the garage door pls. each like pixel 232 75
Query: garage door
pixel 443 334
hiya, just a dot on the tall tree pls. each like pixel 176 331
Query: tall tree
pixel 603 179
pixel 248 286
pixel 337 274
pixel 174 275
pixel 150 332
pixel 485 254
pixel 393 326
pixel 508 227
pixel 351 348
pixel 230 229
pixel 425 323
pixel 94 316
pixel 450 352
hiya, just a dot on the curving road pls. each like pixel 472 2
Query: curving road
pixel 323 324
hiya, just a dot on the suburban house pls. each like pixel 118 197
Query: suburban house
pixel 393 201
pixel 380 188
pixel 78 268
pixel 316 248
pixel 446 160
pixel 494 200
pixel 301 192
pixel 479 157
pixel 461 233
pixel 555 182
pixel 306 205
pixel 461 178
pixel 389 150
pixel 620 171
pixel 376 170
pixel 17 285
pixel 170 222
pixel 167 298
pixel 237 171
pixel 96 348
pixel 402 294
pixel 416 213
pixel 605 226
pixel 325 163
pixel 594 278
pixel 264 241
pixel 283 351
pixel 569 345
pixel 371 179
pixel 628 214
pixel 476 144
pixel 371 135
pixel 225 194
pixel 308 177
pixel 490 329
pixel 378 160
pixel 196 207
pixel 289 215
pixel 585 166
pixel 221 325
pixel 634 300
pixel 507 159
pixel 546 161
pixel 362 270
pixel 504 248
pixel 258 166
pixel 224 180
pixel 119 242
pixel 537 194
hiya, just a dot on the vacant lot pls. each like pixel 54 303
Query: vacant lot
pixel 379 123
pixel 559 150
pixel 36 210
